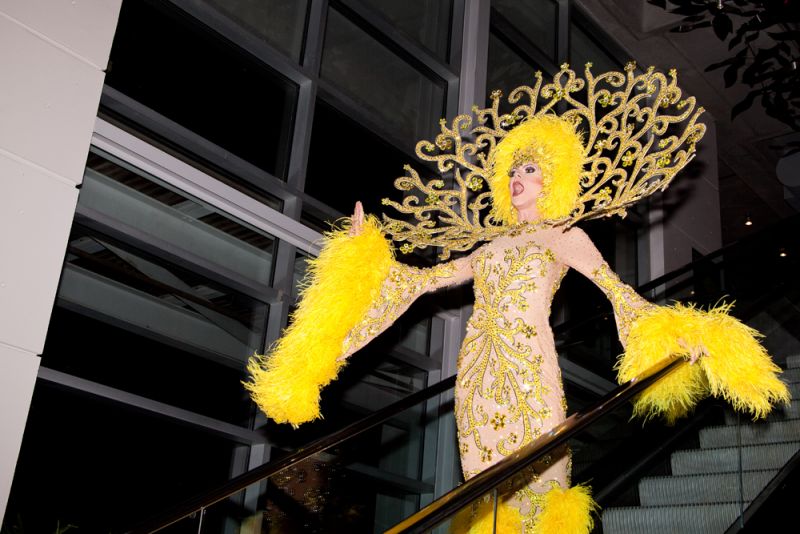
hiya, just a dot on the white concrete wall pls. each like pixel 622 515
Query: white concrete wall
pixel 53 55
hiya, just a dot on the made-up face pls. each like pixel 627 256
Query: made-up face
pixel 526 184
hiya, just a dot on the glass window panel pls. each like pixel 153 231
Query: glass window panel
pixel 626 252
pixel 299 272
pixel 536 19
pixel 178 68
pixel 191 156
pixel 281 23
pixel 135 199
pixel 319 220
pixel 131 358
pixel 406 101
pixel 152 328
pixel 592 340
pixel 333 175
pixel 427 21
pixel 507 70
pixel 416 336
pixel 584 48
pixel 102 468
pixel 318 493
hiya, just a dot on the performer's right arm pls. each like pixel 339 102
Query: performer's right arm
pixel 401 288
pixel 353 291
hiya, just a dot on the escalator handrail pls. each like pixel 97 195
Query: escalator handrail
pixel 484 482
pixel 239 483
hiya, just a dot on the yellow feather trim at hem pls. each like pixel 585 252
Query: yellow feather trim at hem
pixel 479 519
pixel 566 512
pixel 736 366
pixel 340 287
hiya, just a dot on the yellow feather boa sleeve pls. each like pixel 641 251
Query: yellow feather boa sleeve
pixel 736 366
pixel 340 287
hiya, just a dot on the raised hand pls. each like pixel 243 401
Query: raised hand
pixel 694 352
pixel 357 220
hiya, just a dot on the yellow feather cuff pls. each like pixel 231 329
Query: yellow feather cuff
pixel 339 288
pixel 566 512
pixel 736 366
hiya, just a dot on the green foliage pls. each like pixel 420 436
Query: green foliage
pixel 764 44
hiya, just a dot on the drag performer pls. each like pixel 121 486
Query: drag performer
pixel 545 171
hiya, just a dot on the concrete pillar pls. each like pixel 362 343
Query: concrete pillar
pixel 53 56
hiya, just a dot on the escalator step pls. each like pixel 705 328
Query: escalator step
pixel 702 489
pixel 780 413
pixel 698 519
pixel 771 432
pixel 726 459
pixel 791 375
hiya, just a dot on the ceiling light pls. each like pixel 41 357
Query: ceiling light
pixel 748 221
pixel 782 253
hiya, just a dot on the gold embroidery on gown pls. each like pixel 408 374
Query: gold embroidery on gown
pixel 509 387
pixel 509 384
pixel 403 286
pixel 628 305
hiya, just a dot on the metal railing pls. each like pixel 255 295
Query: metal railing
pixel 490 478
pixel 237 484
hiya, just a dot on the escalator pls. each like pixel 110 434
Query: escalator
pixel 714 472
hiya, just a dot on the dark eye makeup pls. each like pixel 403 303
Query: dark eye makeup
pixel 527 168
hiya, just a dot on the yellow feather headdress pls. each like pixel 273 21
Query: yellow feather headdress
pixel 626 138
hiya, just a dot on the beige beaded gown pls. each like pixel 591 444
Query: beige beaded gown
pixel 509 388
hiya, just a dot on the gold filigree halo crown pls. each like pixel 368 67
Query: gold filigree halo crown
pixel 633 146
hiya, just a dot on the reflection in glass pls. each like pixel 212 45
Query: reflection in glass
pixel 195 78
pixel 478 516
pixel 106 275
pixel 335 140
pixel 142 322
pixel 406 101
pixel 299 270
pixel 367 483
pixel 506 70
pixel 537 20
pixel 416 336
pixel 137 310
pixel 426 22
pixel 584 48
pixel 317 493
pixel 137 200
pixel 281 23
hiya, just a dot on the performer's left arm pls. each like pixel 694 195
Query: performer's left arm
pixel 575 249
pixel 735 367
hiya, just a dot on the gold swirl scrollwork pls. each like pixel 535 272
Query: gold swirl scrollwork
pixel 638 131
